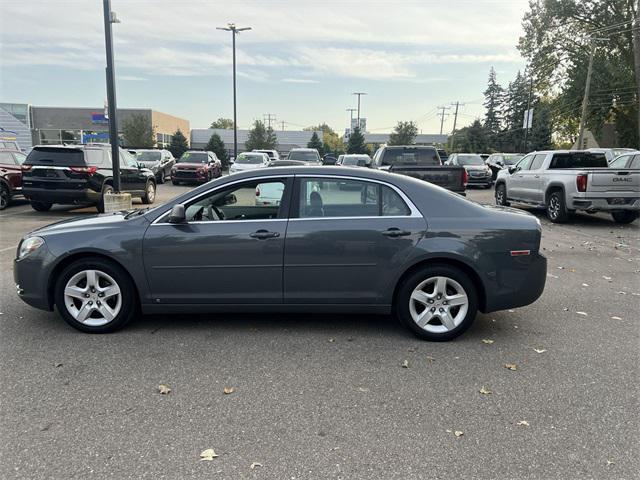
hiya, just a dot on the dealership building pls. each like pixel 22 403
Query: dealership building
pixel 34 125
pixel 287 139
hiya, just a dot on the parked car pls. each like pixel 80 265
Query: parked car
pixel 160 162
pixel 423 163
pixel 329 159
pixel 249 161
pixel 305 154
pixel 478 173
pixel 273 154
pixel 196 166
pixel 355 160
pixel 81 175
pixel 627 160
pixel 10 175
pixel 498 161
pixel 563 181
pixel 269 193
pixel 484 156
pixel 290 163
pixel 611 153
pixel 432 258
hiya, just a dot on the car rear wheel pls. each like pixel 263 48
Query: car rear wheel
pixel 41 206
pixel 624 217
pixel 557 209
pixel 149 193
pixel 437 303
pixel 95 296
pixel 501 195
pixel 5 196
pixel 106 190
pixel 175 182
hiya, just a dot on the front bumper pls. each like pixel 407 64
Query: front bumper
pixel 189 176
pixel 31 277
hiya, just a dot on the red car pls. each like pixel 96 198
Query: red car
pixel 196 167
pixel 10 175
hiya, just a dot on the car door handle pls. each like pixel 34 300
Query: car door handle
pixel 264 234
pixel 395 232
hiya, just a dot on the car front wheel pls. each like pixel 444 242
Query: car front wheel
pixel 5 196
pixel 437 303
pixel 624 217
pixel 149 193
pixel 41 206
pixel 501 195
pixel 95 296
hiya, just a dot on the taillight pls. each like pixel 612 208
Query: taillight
pixel 26 168
pixel 89 170
pixel 581 182
pixel 465 177
pixel 257 191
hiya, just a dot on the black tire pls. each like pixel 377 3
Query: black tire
pixel 149 193
pixel 5 196
pixel 160 178
pixel 129 306
pixel 624 216
pixel 501 195
pixel 175 182
pixel 107 189
pixel 557 208
pixel 41 206
pixel 405 290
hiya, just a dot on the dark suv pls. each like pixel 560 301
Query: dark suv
pixel 10 176
pixel 81 175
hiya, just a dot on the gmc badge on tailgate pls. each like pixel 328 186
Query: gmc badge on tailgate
pixel 622 179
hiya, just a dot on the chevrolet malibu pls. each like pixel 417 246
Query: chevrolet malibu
pixel 387 244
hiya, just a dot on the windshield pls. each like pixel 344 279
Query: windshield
pixel 305 156
pixel 148 156
pixel 512 159
pixel 470 160
pixel 193 157
pixel 411 156
pixel 247 158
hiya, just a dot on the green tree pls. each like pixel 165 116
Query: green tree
pixel 333 143
pixel 178 144
pixel 540 135
pixel 138 132
pixel 472 139
pixel 261 137
pixel 316 143
pixel 224 123
pixel 494 98
pixel 356 143
pixel 216 145
pixel 517 95
pixel 404 134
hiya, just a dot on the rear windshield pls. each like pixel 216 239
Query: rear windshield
pixel 304 156
pixel 61 157
pixel 148 156
pixel 411 156
pixel 578 160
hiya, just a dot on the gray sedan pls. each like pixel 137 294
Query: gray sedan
pixel 387 244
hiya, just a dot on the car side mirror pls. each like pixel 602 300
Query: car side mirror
pixel 177 214
pixel 512 168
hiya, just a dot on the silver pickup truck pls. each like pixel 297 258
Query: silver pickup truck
pixel 563 181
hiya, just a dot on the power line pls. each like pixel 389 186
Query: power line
pixel 268 117
pixel 442 116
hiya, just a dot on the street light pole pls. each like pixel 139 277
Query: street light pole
pixel 359 94
pixel 231 27
pixel 351 110
pixel 109 18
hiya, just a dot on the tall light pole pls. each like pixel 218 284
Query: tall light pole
pixel 231 27
pixel 109 18
pixel 359 94
pixel 351 110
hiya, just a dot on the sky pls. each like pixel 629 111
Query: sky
pixel 300 62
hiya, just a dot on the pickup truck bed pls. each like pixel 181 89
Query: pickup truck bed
pixel 452 178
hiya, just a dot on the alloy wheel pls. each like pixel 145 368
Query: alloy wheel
pixel 92 297
pixel 438 304
pixel 554 207
pixel 151 192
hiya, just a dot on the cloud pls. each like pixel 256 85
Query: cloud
pixel 299 80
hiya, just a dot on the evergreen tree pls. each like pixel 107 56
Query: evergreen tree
pixel 316 143
pixel 516 104
pixel 356 142
pixel 494 98
pixel 404 134
pixel 216 145
pixel 472 139
pixel 261 137
pixel 178 144
pixel 138 132
pixel 224 123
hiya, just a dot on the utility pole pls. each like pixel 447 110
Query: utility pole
pixel 585 99
pixel 636 61
pixel 231 27
pixel 359 94
pixel 282 125
pixel 442 115
pixel 268 117
pixel 455 121
pixel 109 18
pixel 526 123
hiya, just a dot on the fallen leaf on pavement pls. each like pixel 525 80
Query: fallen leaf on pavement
pixel 57 364
pixel 458 433
pixel 610 462
pixel 616 318
pixel 487 341
pixel 606 278
pixel 523 423
pixel 585 284
pixel 430 358
pixel 208 454
pixel 362 389
pixel 584 314
pixel 405 364
pixel 331 340
pixel 485 391
pixel 255 464
pixel 164 389
pixel 228 390
pixel 539 350
pixel 510 366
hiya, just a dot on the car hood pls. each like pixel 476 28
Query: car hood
pixel 105 220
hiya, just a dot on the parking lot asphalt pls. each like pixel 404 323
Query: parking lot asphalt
pixel 327 396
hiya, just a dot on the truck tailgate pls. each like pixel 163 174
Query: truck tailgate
pixel 449 177
pixel 614 180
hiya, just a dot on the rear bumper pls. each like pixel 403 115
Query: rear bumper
pixel 64 196
pixel 610 203
pixel 520 285
pixel 479 180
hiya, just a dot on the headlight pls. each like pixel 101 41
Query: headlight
pixel 29 245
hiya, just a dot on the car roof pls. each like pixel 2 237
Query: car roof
pixel 304 149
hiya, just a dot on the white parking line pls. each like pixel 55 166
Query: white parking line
pixel 7 249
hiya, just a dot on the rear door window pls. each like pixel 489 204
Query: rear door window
pixel 56 156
